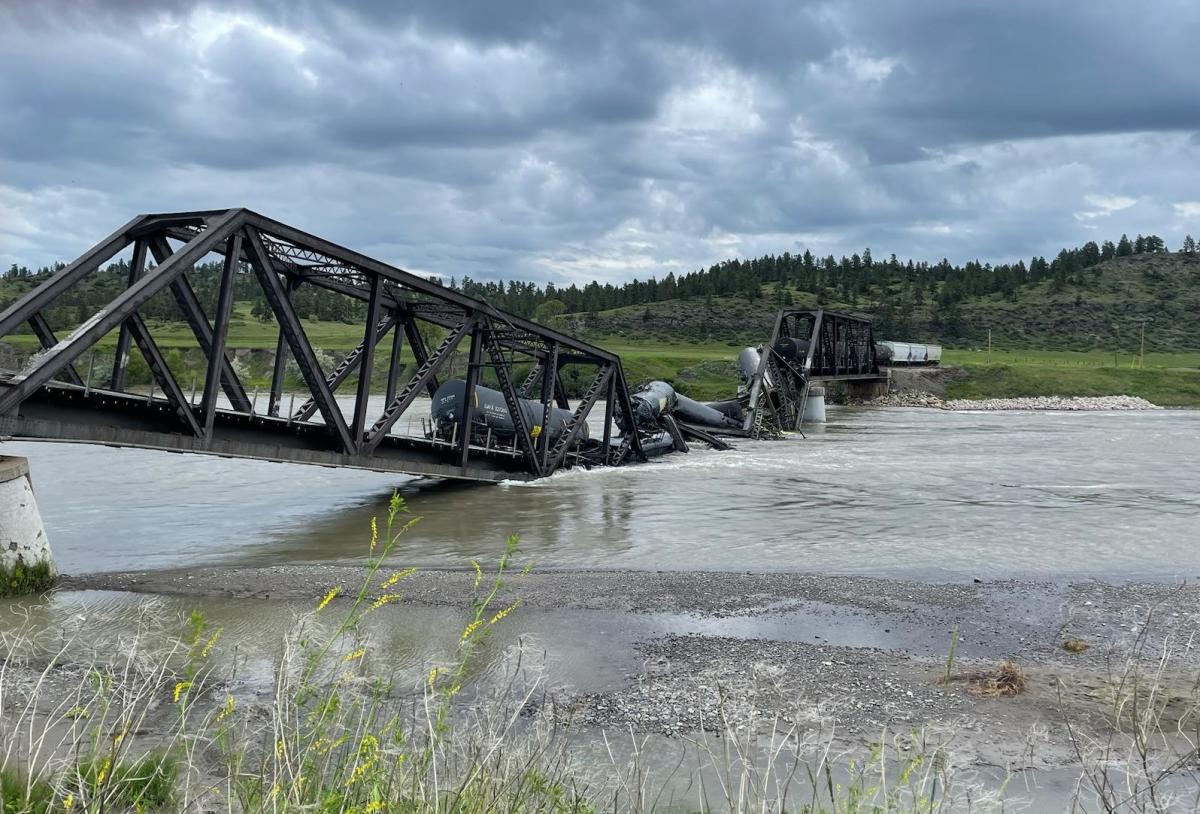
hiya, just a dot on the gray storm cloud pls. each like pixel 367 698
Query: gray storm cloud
pixel 607 140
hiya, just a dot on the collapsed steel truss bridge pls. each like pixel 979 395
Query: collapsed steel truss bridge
pixel 513 378
pixel 50 400
pixel 807 348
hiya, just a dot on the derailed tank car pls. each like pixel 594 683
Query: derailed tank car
pixel 491 415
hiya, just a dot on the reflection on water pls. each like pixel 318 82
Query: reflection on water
pixel 583 650
pixel 912 493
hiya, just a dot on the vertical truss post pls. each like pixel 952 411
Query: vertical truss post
pixel 394 361
pixel 193 314
pixel 280 365
pixel 306 358
pixel 216 350
pixel 366 365
pixel 550 375
pixel 610 399
pixel 834 324
pixel 523 437
pixel 474 362
pixel 342 372
pixel 560 392
pixel 121 359
pixel 626 404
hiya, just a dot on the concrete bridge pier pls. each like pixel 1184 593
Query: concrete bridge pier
pixel 814 406
pixel 26 562
pixel 867 389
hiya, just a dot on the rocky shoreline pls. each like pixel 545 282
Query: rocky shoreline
pixel 732 651
pixel 1053 403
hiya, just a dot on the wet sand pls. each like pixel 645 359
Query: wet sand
pixel 850 656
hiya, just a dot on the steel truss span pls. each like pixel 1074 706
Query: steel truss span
pixel 54 399
pixel 807 347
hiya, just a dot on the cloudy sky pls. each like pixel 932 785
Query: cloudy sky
pixel 569 141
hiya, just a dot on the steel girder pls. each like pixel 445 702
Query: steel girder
pixel 281 258
pixel 839 346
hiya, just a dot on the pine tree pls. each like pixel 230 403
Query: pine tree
pixel 1124 247
pixel 1189 245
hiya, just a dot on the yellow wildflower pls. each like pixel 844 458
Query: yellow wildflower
pixel 396 577
pixel 357 654
pixel 385 599
pixel 334 591
pixel 374 533
pixel 501 614
pixel 103 772
pixel 469 629
pixel 69 801
pixel 212 640
pixel 433 674
pixel 478 572
pixel 360 770
pixel 180 688
pixel 372 807
pixel 226 708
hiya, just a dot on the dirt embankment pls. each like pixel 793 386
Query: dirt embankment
pixel 924 380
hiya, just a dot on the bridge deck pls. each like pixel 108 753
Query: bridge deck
pixel 70 414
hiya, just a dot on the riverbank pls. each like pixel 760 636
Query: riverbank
pixel 1169 382
pixel 683 675
pixel 1073 404
pixel 706 650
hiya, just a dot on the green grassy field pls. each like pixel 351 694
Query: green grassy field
pixel 1168 379
pixel 705 369
pixel 244 332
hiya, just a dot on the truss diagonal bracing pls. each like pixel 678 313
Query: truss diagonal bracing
pixel 806 347
pixel 63 394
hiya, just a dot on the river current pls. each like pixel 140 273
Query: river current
pixel 913 493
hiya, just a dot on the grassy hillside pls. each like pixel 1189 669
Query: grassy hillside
pixel 1104 312
pixel 1081 340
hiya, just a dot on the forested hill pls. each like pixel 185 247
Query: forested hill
pixel 1097 295
pixel 1102 306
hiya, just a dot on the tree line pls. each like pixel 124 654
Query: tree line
pixel 890 286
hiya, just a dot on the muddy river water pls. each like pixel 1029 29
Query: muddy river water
pixel 917 494
pixel 1006 528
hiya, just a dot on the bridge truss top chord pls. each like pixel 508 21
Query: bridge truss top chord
pixel 49 399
